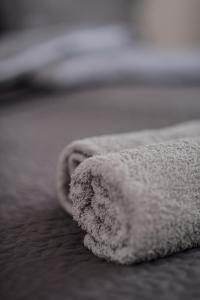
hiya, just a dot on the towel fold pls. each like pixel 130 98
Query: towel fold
pixel 76 152
pixel 140 204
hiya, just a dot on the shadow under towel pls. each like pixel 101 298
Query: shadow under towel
pixel 76 152
pixel 140 204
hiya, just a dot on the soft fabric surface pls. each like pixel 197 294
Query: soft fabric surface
pixel 23 55
pixel 77 151
pixel 135 64
pixel 140 204
pixel 42 256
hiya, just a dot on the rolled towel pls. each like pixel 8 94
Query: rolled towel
pixel 76 152
pixel 140 204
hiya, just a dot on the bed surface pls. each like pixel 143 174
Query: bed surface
pixel 41 251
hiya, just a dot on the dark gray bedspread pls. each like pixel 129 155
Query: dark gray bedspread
pixel 41 250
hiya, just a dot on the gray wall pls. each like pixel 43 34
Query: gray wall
pixel 21 14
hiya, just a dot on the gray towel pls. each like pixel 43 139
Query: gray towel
pixel 78 151
pixel 140 204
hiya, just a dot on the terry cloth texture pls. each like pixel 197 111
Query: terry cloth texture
pixel 76 152
pixel 140 204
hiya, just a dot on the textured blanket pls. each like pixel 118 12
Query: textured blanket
pixel 42 256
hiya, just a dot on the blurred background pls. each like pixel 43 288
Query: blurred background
pixel 61 45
